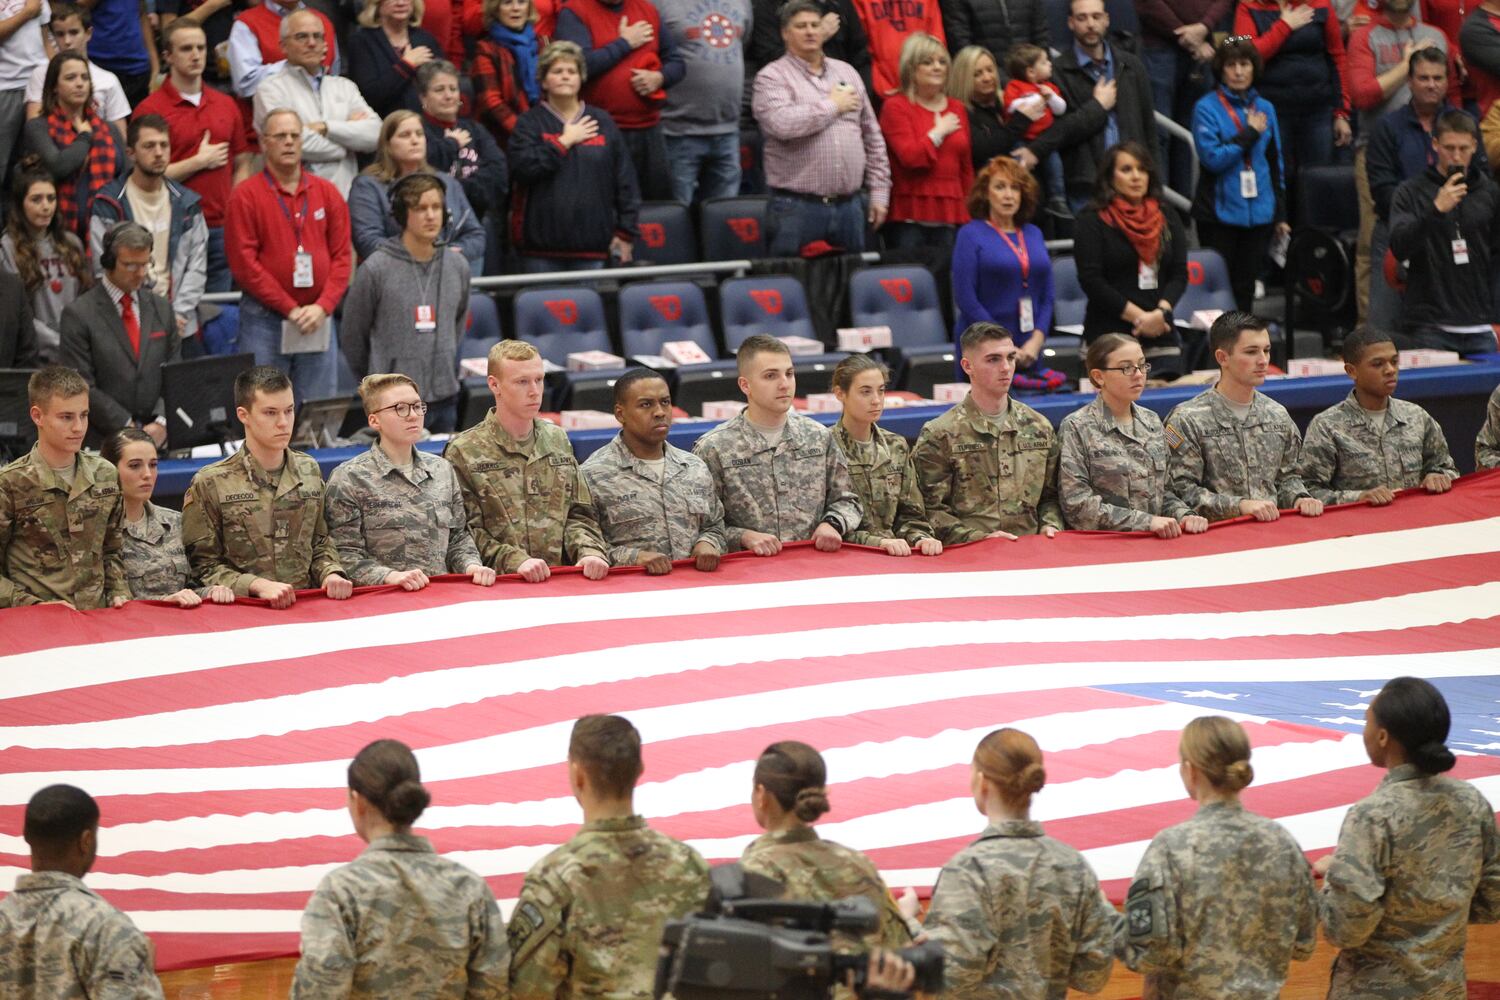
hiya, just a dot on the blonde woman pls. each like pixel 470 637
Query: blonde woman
pixel 1223 902
pixel 974 81
pixel 386 51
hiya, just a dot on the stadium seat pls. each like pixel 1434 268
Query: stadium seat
pixel 655 312
pixel 484 327
pixel 559 321
pixel 773 304
pixel 906 300
pixel 1208 285
pixel 733 228
pixel 666 234
pixel 1064 351
pixel 1320 259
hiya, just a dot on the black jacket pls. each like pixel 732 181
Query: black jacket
pixel 570 204
pixel 1109 271
pixel 990 137
pixel 387 81
pixel 995 24
pixel 1440 292
pixel 1078 133
pixel 17 331
pixel 480 166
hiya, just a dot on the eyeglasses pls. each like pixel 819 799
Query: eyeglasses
pixel 1128 370
pixel 404 410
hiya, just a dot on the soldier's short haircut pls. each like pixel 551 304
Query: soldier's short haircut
pixel 1225 332
pixel 509 350
pixel 855 365
pixel 54 382
pixel 386 775
pixel 1360 340
pixel 982 333
pixel 608 748
pixel 58 815
pixel 260 379
pixel 758 343
pixel 372 387
pixel 632 377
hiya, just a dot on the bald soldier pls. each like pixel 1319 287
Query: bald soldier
pixel 60 510
pixel 58 939
pixel 590 915
pixel 528 507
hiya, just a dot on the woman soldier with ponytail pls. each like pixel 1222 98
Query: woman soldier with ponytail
pixel 1223 902
pixel 1017 913
pixel 399 920
pixel 789 795
pixel 1417 860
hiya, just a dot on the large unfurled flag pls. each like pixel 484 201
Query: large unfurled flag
pixel 216 740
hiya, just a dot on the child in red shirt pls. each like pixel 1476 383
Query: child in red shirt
pixel 1030 91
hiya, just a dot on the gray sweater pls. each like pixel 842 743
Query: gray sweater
pixel 58 289
pixel 378 331
pixel 710 38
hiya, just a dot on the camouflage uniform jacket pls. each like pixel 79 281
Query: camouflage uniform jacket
pixel 400 920
pixel 60 941
pixel 156 564
pixel 784 491
pixel 382 519
pixel 815 869
pixel 639 512
pixel 240 522
pixel 1111 479
pixel 589 918
pixel 1342 455
pixel 887 488
pixel 1417 860
pixel 977 477
pixel 1020 917
pixel 1487 444
pixel 1219 906
pixel 59 543
pixel 525 499
pixel 1217 461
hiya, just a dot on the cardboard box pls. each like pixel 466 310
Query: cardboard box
pixel 652 361
pixel 1311 367
pixel 474 366
pixel 684 352
pixel 950 392
pixel 802 346
pixel 823 402
pixel 593 361
pixel 722 409
pixel 582 420
pixel 1428 358
pixel 1202 319
pixel 859 339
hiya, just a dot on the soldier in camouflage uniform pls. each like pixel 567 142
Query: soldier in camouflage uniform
pixel 60 510
pixel 988 467
pixel 528 506
pixel 1017 913
pixel 1372 444
pixel 788 796
pixel 395 514
pixel 1487 444
pixel 589 919
pixel 1234 449
pixel 778 473
pixel 895 518
pixel 58 939
pixel 261 533
pixel 1417 860
pixel 1112 466
pixel 399 921
pixel 656 503
pixel 1223 902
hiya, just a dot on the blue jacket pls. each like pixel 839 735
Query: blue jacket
pixel 1222 149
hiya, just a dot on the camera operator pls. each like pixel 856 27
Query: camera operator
pixel 1444 224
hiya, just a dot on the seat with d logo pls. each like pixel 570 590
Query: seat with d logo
pixel 666 234
pixel 733 228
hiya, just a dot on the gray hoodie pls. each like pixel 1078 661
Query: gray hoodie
pixel 378 331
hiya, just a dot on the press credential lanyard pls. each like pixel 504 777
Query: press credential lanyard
pixel 1247 172
pixel 302 264
pixel 1018 247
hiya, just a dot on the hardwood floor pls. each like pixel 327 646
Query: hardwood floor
pixel 1309 980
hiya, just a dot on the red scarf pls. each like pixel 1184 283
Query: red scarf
pixel 1143 225
pixel 75 194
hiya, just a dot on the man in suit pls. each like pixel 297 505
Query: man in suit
pixel 118 335
pixel 17 331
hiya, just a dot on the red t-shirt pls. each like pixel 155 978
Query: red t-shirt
pixel 216 113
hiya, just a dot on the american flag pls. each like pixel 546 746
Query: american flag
pixel 216 740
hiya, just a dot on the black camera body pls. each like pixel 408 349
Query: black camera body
pixel 750 947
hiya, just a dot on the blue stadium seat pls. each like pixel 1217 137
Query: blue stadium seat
pixel 655 312
pixel 733 228
pixel 484 327
pixel 1064 351
pixel 559 321
pixel 1208 285
pixel 906 300
pixel 773 304
pixel 666 234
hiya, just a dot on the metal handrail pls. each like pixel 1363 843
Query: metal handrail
pixel 1176 131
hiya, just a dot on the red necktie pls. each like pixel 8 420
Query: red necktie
pixel 132 325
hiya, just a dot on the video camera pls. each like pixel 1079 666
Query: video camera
pixel 750 944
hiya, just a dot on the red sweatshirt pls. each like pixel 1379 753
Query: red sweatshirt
pixel 888 24
pixel 261 239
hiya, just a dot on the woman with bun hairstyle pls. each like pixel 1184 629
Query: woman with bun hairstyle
pixel 399 920
pixel 1018 913
pixel 1417 859
pixel 789 795
pixel 1224 901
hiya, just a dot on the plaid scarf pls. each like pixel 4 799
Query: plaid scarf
pixel 75 195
